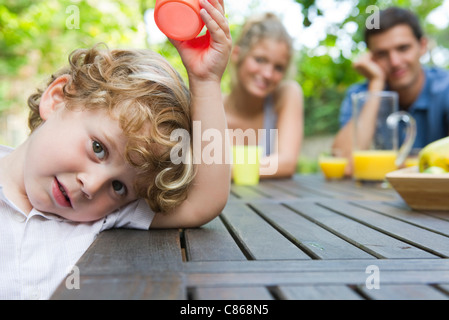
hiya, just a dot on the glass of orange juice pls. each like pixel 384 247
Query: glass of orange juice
pixel 373 165
pixel 332 165
pixel 380 144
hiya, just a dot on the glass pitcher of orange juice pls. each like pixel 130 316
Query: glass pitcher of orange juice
pixel 379 129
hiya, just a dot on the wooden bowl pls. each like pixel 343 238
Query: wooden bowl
pixel 421 191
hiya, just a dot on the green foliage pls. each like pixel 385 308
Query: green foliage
pixel 307 165
pixel 56 27
pixel 324 82
pixel 36 38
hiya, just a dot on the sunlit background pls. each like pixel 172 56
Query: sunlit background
pixel 36 38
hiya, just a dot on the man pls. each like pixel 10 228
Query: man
pixel 393 64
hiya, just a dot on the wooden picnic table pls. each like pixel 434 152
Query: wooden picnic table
pixel 299 238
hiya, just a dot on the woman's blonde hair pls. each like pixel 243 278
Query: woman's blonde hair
pixel 149 99
pixel 261 27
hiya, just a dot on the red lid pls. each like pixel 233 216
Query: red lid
pixel 178 20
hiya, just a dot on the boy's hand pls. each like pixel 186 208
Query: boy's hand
pixel 206 57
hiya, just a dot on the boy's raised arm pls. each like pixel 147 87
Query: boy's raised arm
pixel 205 59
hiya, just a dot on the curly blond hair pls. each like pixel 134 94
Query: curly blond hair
pixel 148 97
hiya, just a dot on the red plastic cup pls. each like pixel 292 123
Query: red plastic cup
pixel 178 19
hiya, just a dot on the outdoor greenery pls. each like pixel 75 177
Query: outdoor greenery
pixel 36 37
pixel 324 79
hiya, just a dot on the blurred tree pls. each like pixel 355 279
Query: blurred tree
pixel 36 38
pixel 56 27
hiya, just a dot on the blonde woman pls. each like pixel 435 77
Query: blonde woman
pixel 261 97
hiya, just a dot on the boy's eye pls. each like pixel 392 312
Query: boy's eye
pixel 118 187
pixel 98 150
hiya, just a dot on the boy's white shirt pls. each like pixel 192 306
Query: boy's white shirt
pixel 38 251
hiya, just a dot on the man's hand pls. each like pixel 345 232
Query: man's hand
pixel 366 66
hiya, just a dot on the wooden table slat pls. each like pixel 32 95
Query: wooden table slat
pixel 432 242
pixel 321 243
pixel 273 191
pixel 405 292
pixel 211 242
pixel 347 189
pixel 368 239
pixel 417 218
pixel 232 293
pixel 318 292
pixel 120 251
pixel 301 190
pixel 158 286
pixel 246 192
pixel 260 240
pixel 356 265
pixel 313 278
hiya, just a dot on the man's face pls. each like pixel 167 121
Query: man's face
pixel 76 167
pixel 398 53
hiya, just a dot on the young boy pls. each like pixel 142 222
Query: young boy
pixel 98 156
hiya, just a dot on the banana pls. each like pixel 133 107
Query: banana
pixel 435 154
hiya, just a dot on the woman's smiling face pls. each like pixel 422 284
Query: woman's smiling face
pixel 264 67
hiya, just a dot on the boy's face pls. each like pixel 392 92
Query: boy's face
pixel 76 167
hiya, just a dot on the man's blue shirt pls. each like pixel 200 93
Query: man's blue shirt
pixel 430 110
